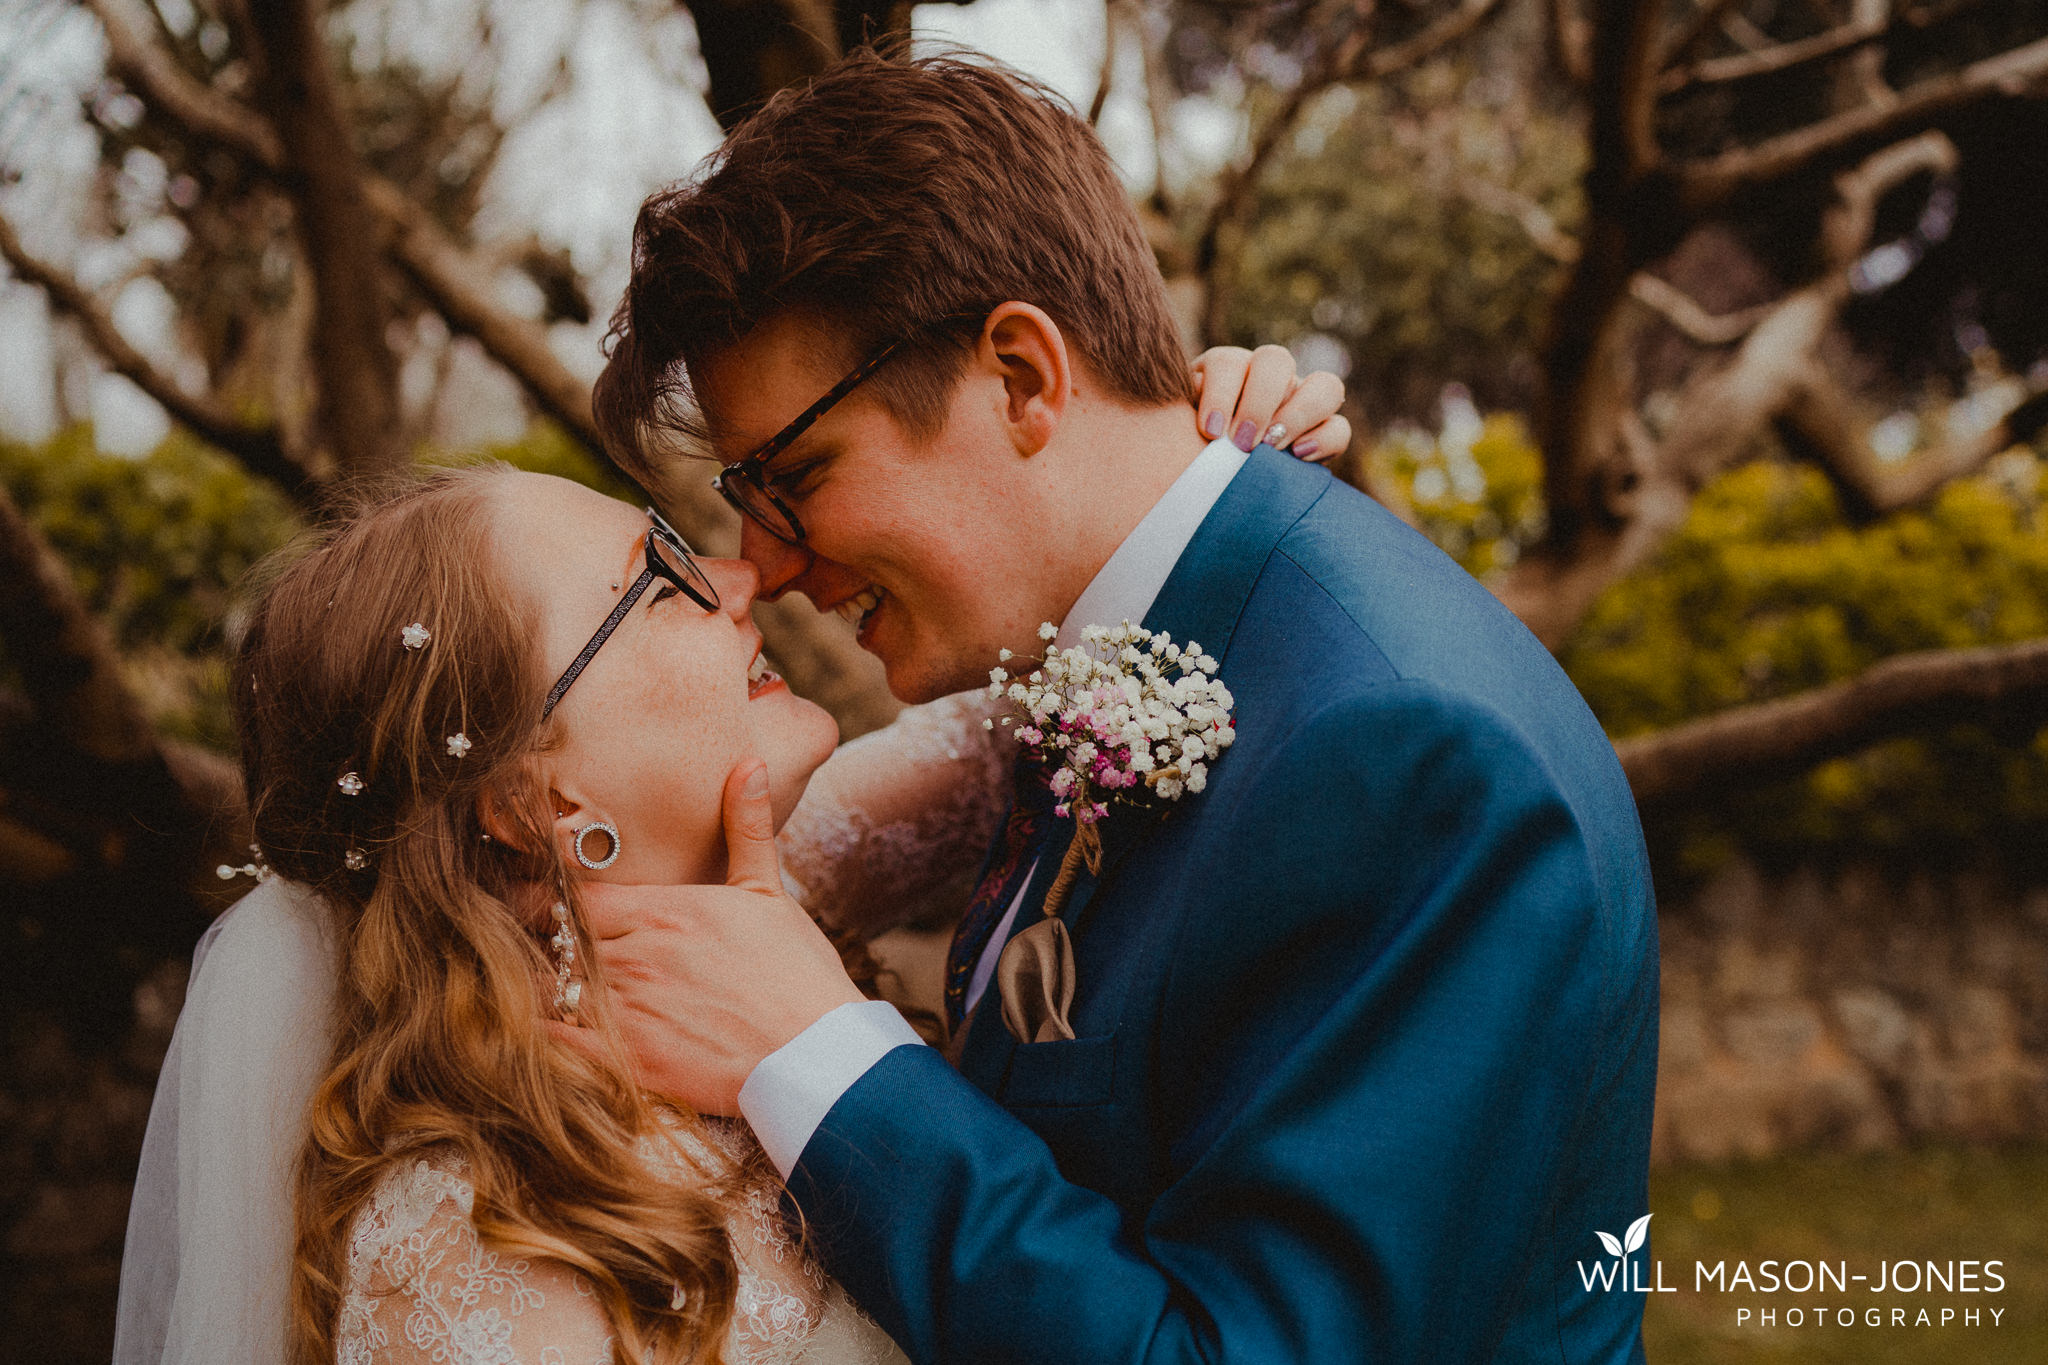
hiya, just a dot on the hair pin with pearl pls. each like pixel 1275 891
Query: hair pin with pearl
pixel 459 745
pixel 415 636
pixel 256 868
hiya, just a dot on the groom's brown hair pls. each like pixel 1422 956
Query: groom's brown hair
pixel 886 196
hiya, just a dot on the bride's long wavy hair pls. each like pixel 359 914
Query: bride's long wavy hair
pixel 446 985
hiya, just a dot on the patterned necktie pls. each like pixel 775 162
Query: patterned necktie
pixel 1023 833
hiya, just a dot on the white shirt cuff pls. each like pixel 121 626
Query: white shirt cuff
pixel 795 1086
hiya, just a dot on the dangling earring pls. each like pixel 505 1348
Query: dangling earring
pixel 611 833
pixel 567 992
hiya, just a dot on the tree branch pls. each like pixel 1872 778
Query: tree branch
pixel 1824 423
pixel 1781 57
pixel 1658 295
pixel 456 287
pixel 1108 72
pixel 1233 197
pixel 80 756
pixel 1571 42
pixel 1910 691
pixel 1706 185
pixel 1387 61
pixel 69 670
pixel 257 447
pixel 1636 489
pixel 1684 313
pixel 1704 22
pixel 154 76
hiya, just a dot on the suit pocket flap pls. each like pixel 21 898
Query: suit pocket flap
pixel 1061 1073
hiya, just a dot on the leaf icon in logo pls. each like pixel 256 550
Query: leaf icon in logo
pixel 1607 1240
pixel 1638 1232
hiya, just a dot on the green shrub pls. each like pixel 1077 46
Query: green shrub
pixel 1768 590
pixel 158 545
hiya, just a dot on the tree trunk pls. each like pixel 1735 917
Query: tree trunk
pixel 353 363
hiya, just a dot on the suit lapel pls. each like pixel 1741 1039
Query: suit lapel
pixel 1200 602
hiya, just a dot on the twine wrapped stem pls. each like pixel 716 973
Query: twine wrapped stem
pixel 1086 849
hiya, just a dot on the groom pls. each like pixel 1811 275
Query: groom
pixel 1364 1034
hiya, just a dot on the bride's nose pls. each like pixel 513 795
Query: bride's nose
pixel 737 582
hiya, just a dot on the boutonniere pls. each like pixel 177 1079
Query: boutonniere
pixel 1126 718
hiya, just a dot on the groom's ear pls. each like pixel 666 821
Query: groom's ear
pixel 1023 344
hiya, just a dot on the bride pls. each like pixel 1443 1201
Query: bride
pixel 397 1125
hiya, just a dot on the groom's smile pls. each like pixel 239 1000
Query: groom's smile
pixel 917 541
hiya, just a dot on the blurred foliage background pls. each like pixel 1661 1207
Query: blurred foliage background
pixel 1713 338
pixel 1768 590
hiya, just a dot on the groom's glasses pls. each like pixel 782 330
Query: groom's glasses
pixel 669 557
pixel 745 483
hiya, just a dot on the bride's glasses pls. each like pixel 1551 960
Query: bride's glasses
pixel 669 557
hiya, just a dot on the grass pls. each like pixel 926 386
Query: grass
pixel 1938 1203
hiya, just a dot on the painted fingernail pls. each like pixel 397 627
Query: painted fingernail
pixel 1306 450
pixel 1212 425
pixel 1276 436
pixel 1243 436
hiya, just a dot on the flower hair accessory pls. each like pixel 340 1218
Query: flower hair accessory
pixel 415 636
pixel 568 993
pixel 1128 718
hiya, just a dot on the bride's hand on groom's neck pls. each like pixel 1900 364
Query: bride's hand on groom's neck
pixel 706 981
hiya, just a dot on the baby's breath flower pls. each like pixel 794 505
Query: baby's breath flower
pixel 1126 714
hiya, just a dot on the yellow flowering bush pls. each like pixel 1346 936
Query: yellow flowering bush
pixel 1768 590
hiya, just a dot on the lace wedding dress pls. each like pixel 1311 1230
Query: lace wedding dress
pixel 423 1287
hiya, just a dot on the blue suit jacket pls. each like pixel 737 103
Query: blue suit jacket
pixel 1366 1032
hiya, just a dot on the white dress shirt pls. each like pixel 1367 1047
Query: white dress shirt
pixel 793 1088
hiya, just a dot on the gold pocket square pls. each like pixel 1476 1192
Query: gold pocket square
pixel 1035 981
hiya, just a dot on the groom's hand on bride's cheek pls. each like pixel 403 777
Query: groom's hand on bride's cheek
pixel 706 981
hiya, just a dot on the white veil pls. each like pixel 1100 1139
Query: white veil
pixel 206 1272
